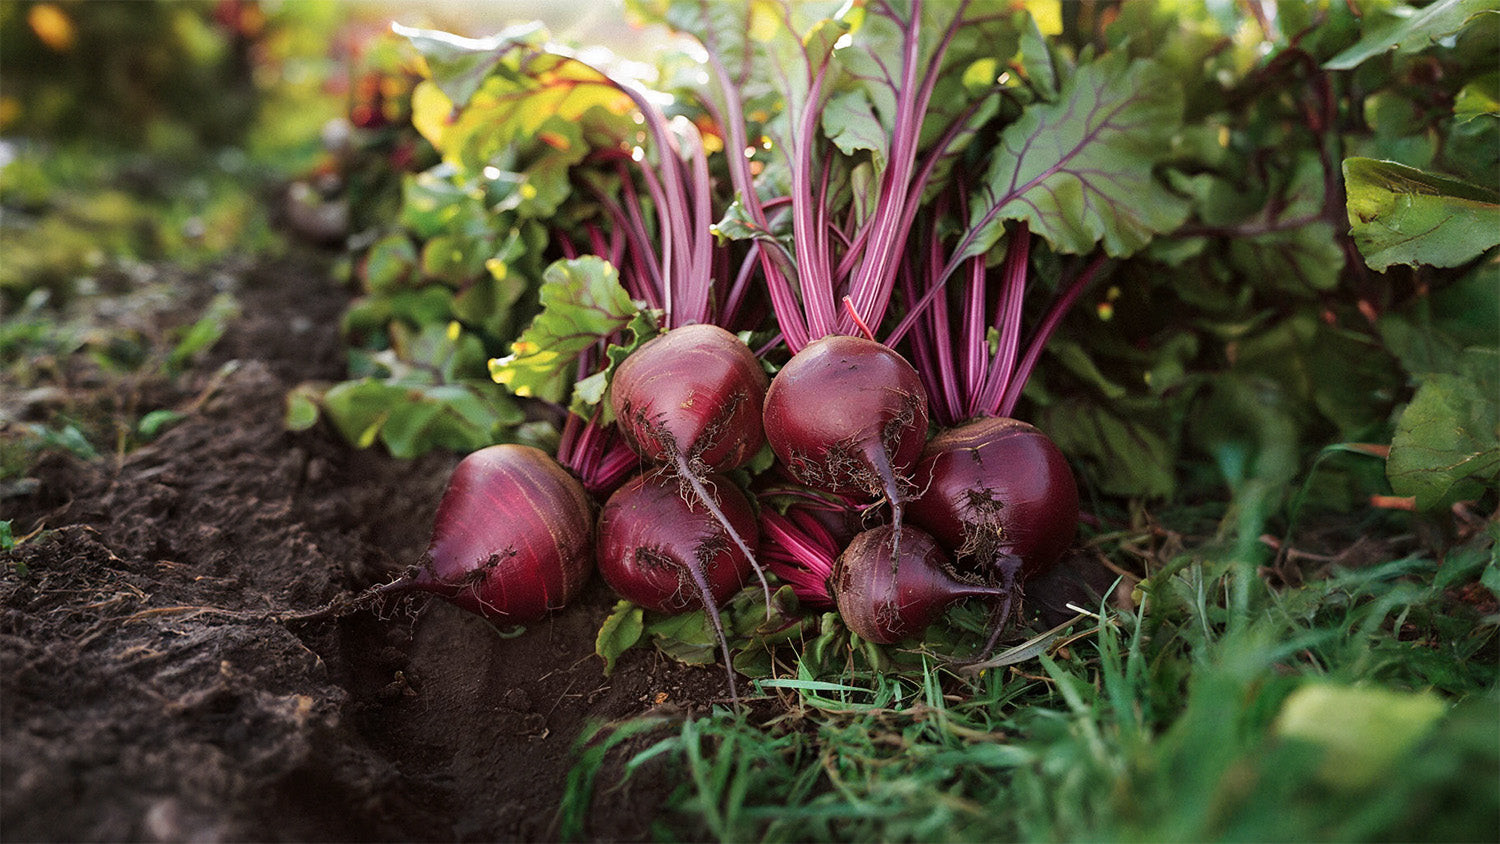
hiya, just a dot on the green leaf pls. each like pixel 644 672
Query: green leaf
pixel 1036 60
pixel 1124 454
pixel 203 334
pixel 1080 170
pixel 1401 215
pixel 155 423
pixel 530 117
pixel 737 225
pixel 850 122
pixel 619 633
pixel 301 407
pixel 389 263
pixel 454 259
pixel 686 637
pixel 1299 259
pixel 489 304
pixel 582 302
pixel 1490 577
pixel 1242 425
pixel 404 425
pixel 1081 363
pixel 458 65
pixel 358 408
pixel 1469 307
pixel 411 419
pixel 1363 731
pixel 432 204
pixel 1479 98
pixel 1412 31
pixel 1447 442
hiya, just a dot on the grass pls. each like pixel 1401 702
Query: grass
pixel 1360 706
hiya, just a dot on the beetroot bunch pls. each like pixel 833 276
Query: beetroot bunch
pixel 847 417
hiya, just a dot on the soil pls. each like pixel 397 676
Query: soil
pixel 149 694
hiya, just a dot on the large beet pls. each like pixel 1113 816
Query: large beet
pixel 691 394
pixel 848 414
pixel 998 492
pixel 513 538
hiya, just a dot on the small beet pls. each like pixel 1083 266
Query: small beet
pixel 999 492
pixel 668 553
pixel 654 544
pixel 1000 495
pixel 884 605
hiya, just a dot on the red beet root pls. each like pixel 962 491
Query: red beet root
pixel 847 414
pixel 999 492
pixel 512 537
pixel 694 393
pixel 1000 495
pixel 654 545
pixel 886 606
pixel 668 553
pixel 691 400
pixel 512 541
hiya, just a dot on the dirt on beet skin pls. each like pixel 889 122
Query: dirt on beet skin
pixel 147 693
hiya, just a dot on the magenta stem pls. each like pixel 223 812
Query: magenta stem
pixel 1007 320
pixel 1044 332
pixel 974 334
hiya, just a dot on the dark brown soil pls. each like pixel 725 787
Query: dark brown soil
pixel 148 694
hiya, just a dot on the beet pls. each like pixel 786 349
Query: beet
pixel 848 414
pixel 668 553
pixel 999 492
pixel 886 606
pixel 512 538
pixel 654 545
pixel 691 399
pixel 512 541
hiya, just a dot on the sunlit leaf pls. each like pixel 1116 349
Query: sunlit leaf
pixel 1080 170
pixel 458 65
pixel 588 393
pixel 1411 30
pixel 1401 215
pixel 582 303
